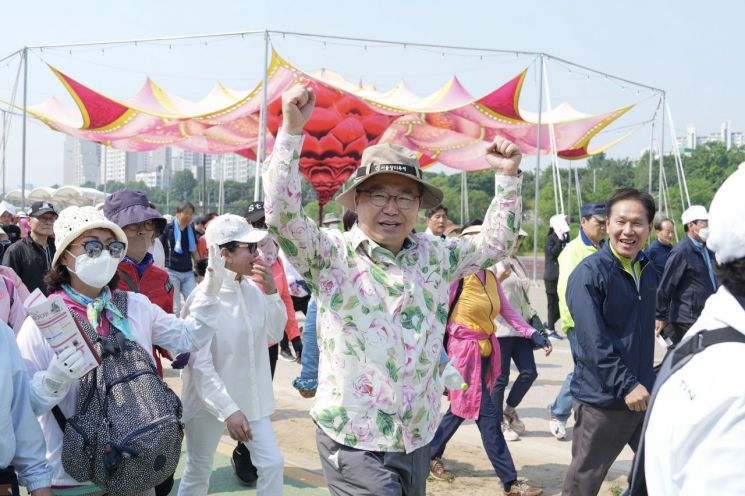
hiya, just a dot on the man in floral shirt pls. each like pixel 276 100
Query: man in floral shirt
pixel 382 301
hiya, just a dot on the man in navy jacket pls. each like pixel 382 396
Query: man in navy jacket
pixel 611 295
pixel 688 279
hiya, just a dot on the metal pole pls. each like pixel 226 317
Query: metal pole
pixel 569 189
pixel 537 168
pixel 23 142
pixel 261 155
pixel 651 159
pixel 5 142
pixel 678 157
pixel 204 184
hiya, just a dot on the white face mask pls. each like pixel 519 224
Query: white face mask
pixel 703 233
pixel 95 272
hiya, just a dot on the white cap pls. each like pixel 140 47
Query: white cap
pixel 471 230
pixel 694 213
pixel 7 207
pixel 229 227
pixel 726 226
pixel 74 221
pixel 559 223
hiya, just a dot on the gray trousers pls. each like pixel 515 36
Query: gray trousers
pixel 598 438
pixel 354 472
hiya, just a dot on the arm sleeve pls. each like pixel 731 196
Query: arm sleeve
pixel 11 260
pixel 37 354
pixel 275 317
pixel 207 382
pixel 182 335
pixel 470 254
pixel 307 247
pixel 291 328
pixel 597 349
pixel 554 247
pixel 568 261
pixel 674 269
pixel 512 316
pixel 17 313
pixel 29 459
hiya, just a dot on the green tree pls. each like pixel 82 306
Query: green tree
pixel 182 186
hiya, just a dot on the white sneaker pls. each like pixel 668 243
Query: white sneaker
pixel 511 416
pixel 557 427
pixel 508 433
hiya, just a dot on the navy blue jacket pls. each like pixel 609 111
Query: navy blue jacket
pixel 685 284
pixel 614 327
pixel 657 254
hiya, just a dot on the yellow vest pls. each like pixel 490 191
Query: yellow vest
pixel 477 307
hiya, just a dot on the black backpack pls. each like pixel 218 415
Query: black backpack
pixel 126 433
pixel 674 361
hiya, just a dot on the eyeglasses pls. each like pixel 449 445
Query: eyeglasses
pixel 93 248
pixel 148 225
pixel 380 199
pixel 252 247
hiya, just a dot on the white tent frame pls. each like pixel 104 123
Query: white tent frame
pixel 542 58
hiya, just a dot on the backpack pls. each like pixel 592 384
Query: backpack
pixel 126 433
pixel 674 361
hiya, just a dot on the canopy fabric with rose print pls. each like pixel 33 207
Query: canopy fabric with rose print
pixel 450 126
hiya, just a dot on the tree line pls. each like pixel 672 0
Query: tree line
pixel 706 168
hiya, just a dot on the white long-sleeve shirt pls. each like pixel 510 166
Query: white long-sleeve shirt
pixel 149 325
pixel 233 372
pixel 695 438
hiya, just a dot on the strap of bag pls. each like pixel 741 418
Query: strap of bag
pixel 9 287
pixel 59 417
pixel 674 361
pixel 132 286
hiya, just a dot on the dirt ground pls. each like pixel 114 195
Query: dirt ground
pixel 538 456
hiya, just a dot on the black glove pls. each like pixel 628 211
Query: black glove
pixel 539 340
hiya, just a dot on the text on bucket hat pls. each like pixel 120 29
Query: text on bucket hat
pixel 694 213
pixel 388 158
pixel 130 206
pixel 230 227
pixel 726 226
pixel 74 221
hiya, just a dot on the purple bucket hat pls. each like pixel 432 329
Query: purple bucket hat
pixel 130 206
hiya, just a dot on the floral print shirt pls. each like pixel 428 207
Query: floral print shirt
pixel 381 317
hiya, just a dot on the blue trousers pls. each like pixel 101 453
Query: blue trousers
pixel 562 405
pixel 519 350
pixel 489 423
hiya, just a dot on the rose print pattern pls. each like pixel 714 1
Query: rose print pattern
pixel 381 316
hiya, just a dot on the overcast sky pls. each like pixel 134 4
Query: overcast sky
pixel 692 49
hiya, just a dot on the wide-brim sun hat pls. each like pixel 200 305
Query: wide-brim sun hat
pixel 130 206
pixel 230 227
pixel 388 158
pixel 74 221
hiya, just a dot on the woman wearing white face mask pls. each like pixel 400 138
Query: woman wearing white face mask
pixel 88 250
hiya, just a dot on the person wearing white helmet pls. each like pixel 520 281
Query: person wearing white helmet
pixel 694 440
pixel 688 279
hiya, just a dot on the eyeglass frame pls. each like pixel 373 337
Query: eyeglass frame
pixel 134 228
pixel 388 198
pixel 122 249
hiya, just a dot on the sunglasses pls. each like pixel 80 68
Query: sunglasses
pixel 93 248
pixel 252 247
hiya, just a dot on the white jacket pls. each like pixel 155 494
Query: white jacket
pixel 233 373
pixel 149 325
pixel 695 439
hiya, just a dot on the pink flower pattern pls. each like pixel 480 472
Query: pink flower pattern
pixel 381 317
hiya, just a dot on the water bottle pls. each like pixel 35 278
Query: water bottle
pixel 452 379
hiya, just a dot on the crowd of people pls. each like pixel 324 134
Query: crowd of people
pixel 394 318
